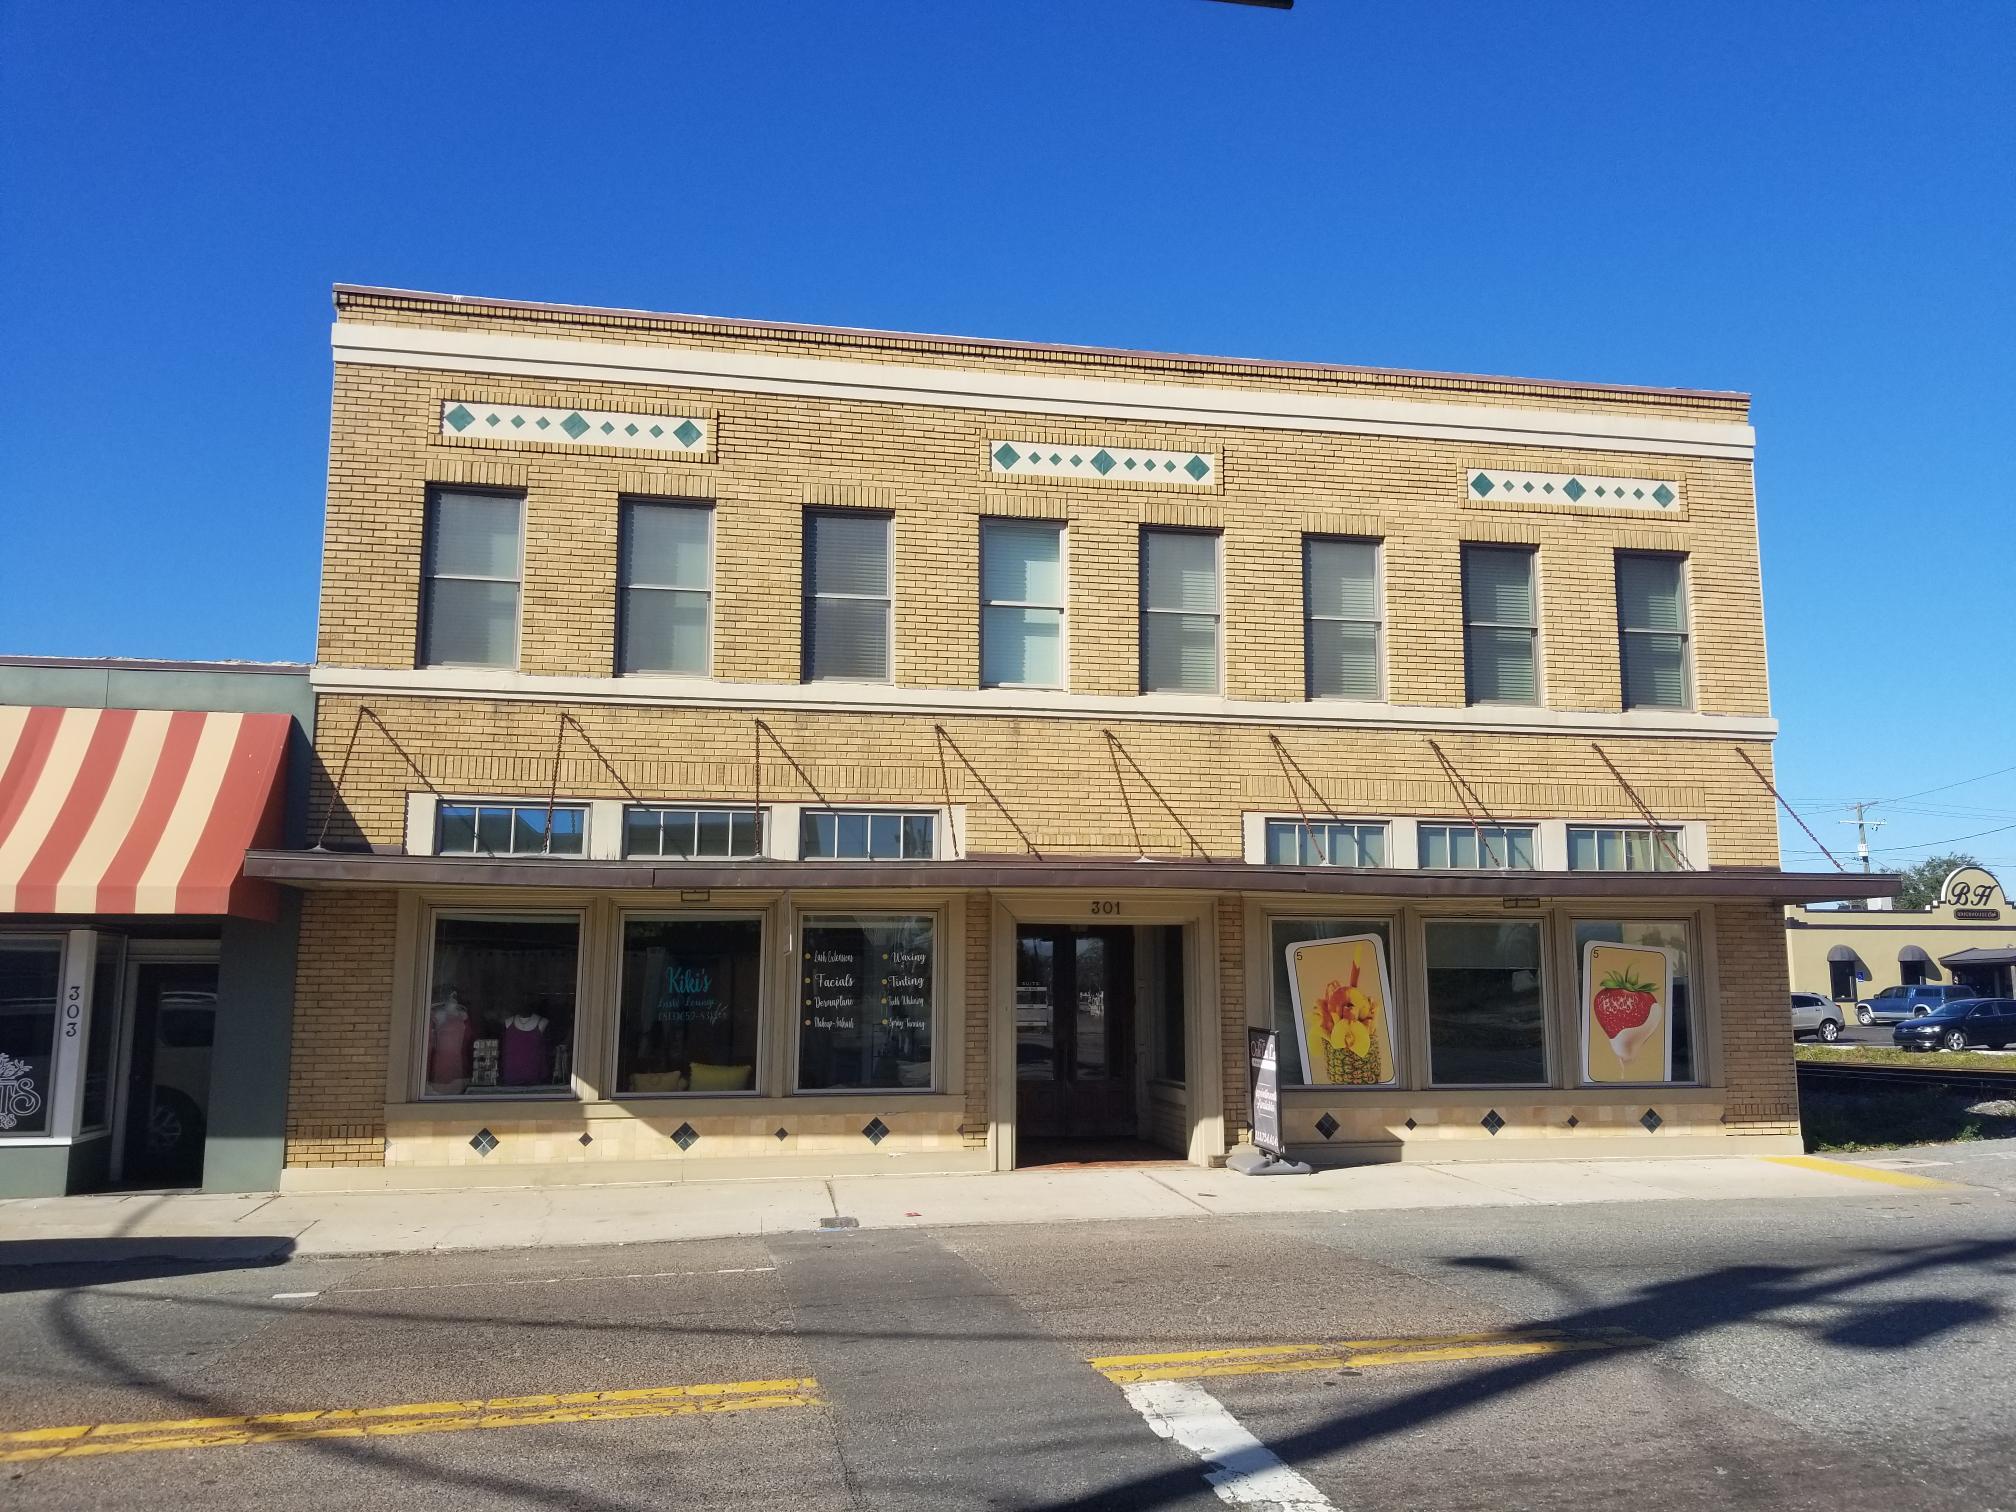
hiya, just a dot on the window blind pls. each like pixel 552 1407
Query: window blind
pixel 469 608
pixel 847 605
pixel 1500 628
pixel 1341 589
pixel 1022 603
pixel 1180 612
pixel 1652 631
pixel 666 573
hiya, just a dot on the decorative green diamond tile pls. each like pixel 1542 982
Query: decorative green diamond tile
pixel 1020 458
pixel 1632 494
pixel 1103 461
pixel 599 427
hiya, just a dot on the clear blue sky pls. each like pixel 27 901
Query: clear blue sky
pixel 1809 201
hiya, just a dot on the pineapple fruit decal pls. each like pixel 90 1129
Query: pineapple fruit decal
pixel 1340 995
pixel 1627 1019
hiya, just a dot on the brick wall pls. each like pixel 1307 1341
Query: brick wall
pixel 342 1018
pixel 1763 1091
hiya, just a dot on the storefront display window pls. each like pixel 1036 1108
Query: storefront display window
pixel 1289 932
pixel 689 1005
pixel 30 971
pixel 867 984
pixel 500 1011
pixel 1486 1019
pixel 1637 1006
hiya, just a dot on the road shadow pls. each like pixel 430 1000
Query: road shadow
pixel 34 1265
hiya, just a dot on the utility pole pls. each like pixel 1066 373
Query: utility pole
pixel 1863 824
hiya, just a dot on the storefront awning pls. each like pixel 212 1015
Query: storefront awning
pixel 137 811
pixel 1980 957
pixel 1100 873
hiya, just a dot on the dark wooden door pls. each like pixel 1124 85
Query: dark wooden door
pixel 1074 1033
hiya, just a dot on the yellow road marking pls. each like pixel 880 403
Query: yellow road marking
pixel 84 1439
pixel 1866 1173
pixel 1358 1354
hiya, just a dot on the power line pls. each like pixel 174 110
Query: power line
pixel 1963 782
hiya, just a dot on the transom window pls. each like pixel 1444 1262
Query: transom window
pixel 1652 630
pixel 469 599
pixel 1624 848
pixel 858 835
pixel 509 829
pixel 1321 842
pixel 692 834
pixel 1340 589
pixel 1180 609
pixel 1022 603
pixel 1482 847
pixel 847 596
pixel 667 587
pixel 1501 628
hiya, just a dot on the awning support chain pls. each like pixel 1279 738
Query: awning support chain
pixel 1758 772
pixel 945 786
pixel 364 712
pixel 1118 751
pixel 945 737
pixel 553 784
pixel 608 765
pixel 1659 831
pixel 1113 755
pixel 553 787
pixel 1287 762
pixel 1464 794
pixel 804 776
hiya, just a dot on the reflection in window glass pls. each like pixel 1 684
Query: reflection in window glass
pixel 1485 1016
pixel 1480 847
pixel 1021 603
pixel 1290 842
pixel 691 834
pixel 1624 849
pixel 500 1013
pixel 30 973
pixel 1671 934
pixel 865 1002
pixel 504 829
pixel 1287 932
pixel 838 835
pixel 689 1005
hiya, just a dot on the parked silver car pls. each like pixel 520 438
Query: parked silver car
pixel 1815 1015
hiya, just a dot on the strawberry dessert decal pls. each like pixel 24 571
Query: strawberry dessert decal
pixel 1627 1018
pixel 1623 1002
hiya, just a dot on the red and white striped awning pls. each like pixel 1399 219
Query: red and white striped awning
pixel 137 811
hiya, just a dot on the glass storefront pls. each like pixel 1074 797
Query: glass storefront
pixel 500 1010
pixel 31 970
pixel 865 1001
pixel 690 1000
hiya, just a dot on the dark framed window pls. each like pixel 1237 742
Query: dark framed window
pixel 690 997
pixel 31 972
pixel 473 560
pixel 1182 601
pixel 848 600
pixel 665 586
pixel 1282 933
pixel 1501 626
pixel 1486 1003
pixel 1021 604
pixel 866 835
pixel 1475 847
pixel 500 1007
pixel 509 829
pixel 692 834
pixel 1323 842
pixel 1672 935
pixel 1342 626
pixel 868 985
pixel 1638 848
pixel 1652 630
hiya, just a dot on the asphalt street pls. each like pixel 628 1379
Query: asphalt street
pixel 1840 1354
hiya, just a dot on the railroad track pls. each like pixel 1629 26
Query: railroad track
pixel 1817 1074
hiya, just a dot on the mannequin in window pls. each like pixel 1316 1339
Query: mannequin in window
pixel 448 1043
pixel 526 1060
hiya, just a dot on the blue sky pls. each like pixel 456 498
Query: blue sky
pixel 1811 201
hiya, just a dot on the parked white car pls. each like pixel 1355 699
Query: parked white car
pixel 1815 1015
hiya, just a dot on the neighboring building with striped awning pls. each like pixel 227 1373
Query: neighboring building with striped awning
pixel 139 966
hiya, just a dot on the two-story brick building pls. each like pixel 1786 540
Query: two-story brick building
pixel 763 748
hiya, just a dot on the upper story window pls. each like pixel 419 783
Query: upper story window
pixel 1652 630
pixel 1181 609
pixel 866 835
pixel 1623 848
pixel 473 559
pixel 1479 847
pixel 665 582
pixel 847 596
pixel 692 834
pixel 1022 603
pixel 1501 626
pixel 1320 842
pixel 508 829
pixel 1340 595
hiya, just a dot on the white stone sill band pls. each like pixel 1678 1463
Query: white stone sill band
pixel 1026 703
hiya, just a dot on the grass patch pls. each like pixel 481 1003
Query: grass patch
pixel 1889 1055
pixel 1883 1119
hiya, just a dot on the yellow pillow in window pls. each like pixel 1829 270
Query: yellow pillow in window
pixel 657 1081
pixel 708 1078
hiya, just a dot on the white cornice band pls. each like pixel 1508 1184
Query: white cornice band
pixel 1034 393
pixel 1027 703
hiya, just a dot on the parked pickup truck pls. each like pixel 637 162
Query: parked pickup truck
pixel 1895 1004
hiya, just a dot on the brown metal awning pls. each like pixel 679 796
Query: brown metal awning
pixel 1103 873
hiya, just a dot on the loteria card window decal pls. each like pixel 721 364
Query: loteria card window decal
pixel 1628 1012
pixel 1343 1011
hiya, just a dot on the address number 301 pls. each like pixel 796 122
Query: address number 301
pixel 1105 907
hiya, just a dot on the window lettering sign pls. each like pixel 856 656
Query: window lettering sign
pixel 865 1002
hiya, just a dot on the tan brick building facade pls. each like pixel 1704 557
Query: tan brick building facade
pixel 569 431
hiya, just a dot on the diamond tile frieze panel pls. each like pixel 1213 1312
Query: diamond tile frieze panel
pixel 684 435
pixel 1113 464
pixel 1493 486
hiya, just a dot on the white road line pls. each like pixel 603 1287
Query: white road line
pixel 1249 1474
pixel 294 1296
pixel 731 1270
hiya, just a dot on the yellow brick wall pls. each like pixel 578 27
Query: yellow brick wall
pixel 342 1020
pixel 1753 981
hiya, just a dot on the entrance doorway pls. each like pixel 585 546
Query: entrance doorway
pixel 1074 1033
pixel 168 1073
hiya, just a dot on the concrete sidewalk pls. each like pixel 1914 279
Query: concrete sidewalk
pixel 238 1228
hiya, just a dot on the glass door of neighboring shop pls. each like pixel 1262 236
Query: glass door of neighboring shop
pixel 1074 1033
pixel 168 1073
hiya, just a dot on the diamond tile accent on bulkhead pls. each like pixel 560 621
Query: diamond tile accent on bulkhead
pixel 633 432
pixel 685 1136
pixel 782 1134
pixel 876 1131
pixel 586 1139
pixel 483 1142
pixel 1326 1126
pixel 1573 1121
pixel 1025 458
pixel 1651 1120
pixel 1492 1122
pixel 1412 1126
